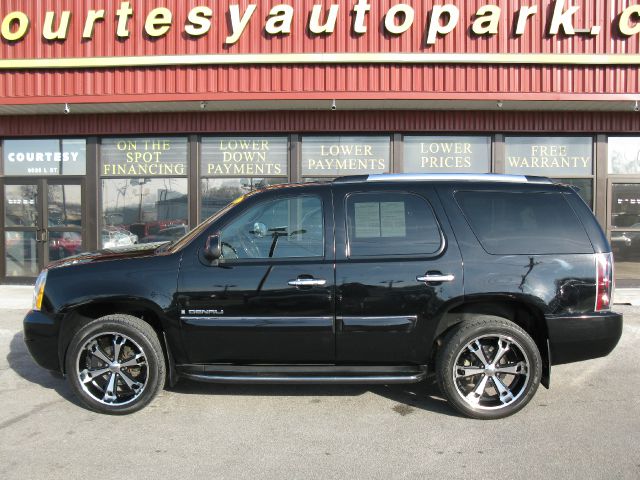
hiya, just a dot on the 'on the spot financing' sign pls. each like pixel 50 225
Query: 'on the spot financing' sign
pixel 144 157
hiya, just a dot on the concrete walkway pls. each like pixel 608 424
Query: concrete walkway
pixel 16 297
pixel 627 296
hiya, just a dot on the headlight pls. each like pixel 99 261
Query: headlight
pixel 38 291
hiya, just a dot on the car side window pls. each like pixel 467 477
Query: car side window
pixel 283 228
pixel 516 223
pixel 382 224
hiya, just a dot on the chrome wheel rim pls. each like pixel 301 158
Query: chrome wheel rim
pixel 112 369
pixel 491 372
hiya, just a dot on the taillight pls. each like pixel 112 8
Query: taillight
pixel 604 290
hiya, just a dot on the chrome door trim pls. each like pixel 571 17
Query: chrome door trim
pixel 259 322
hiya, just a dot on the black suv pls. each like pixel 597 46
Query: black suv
pixel 483 280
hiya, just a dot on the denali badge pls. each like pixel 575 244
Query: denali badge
pixel 204 312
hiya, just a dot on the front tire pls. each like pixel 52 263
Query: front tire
pixel 115 364
pixel 488 368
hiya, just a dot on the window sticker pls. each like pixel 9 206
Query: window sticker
pixel 367 219
pixel 392 219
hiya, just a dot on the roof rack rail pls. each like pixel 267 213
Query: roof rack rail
pixel 444 177
pixel 351 179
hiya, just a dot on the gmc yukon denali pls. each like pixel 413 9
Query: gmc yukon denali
pixel 484 281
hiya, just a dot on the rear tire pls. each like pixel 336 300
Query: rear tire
pixel 115 364
pixel 488 368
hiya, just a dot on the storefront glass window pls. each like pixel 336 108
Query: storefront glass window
pixel 244 157
pixel 624 155
pixel 143 210
pixel 44 157
pixel 146 198
pixel 447 154
pixel 565 159
pixel 549 156
pixel 584 187
pixel 217 193
pixel 143 157
pixel 233 166
pixel 345 155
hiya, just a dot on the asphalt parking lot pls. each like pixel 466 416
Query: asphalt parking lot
pixel 586 426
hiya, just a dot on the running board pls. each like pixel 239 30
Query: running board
pixel 305 375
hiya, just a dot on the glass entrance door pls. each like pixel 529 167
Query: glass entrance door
pixel 43 222
pixel 23 250
pixel 624 230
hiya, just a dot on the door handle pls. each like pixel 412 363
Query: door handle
pixel 307 282
pixel 436 278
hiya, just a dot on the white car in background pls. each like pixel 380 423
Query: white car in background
pixel 118 237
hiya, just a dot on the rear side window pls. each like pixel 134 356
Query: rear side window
pixel 524 223
pixel 381 224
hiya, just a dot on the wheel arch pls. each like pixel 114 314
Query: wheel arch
pixel 527 316
pixel 75 318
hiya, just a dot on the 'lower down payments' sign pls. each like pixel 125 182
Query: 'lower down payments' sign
pixel 244 157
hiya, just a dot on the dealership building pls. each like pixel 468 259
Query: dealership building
pixel 130 122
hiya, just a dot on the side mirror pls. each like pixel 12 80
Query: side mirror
pixel 213 248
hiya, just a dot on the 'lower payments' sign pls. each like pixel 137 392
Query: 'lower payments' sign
pixel 338 156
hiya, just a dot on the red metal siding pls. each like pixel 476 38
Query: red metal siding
pixel 322 81
pixel 302 122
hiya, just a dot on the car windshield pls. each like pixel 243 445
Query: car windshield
pixel 184 241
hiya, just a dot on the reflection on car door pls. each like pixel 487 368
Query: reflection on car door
pixel 271 297
pixel 395 268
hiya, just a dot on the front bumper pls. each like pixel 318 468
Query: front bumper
pixel 41 337
pixel 576 338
